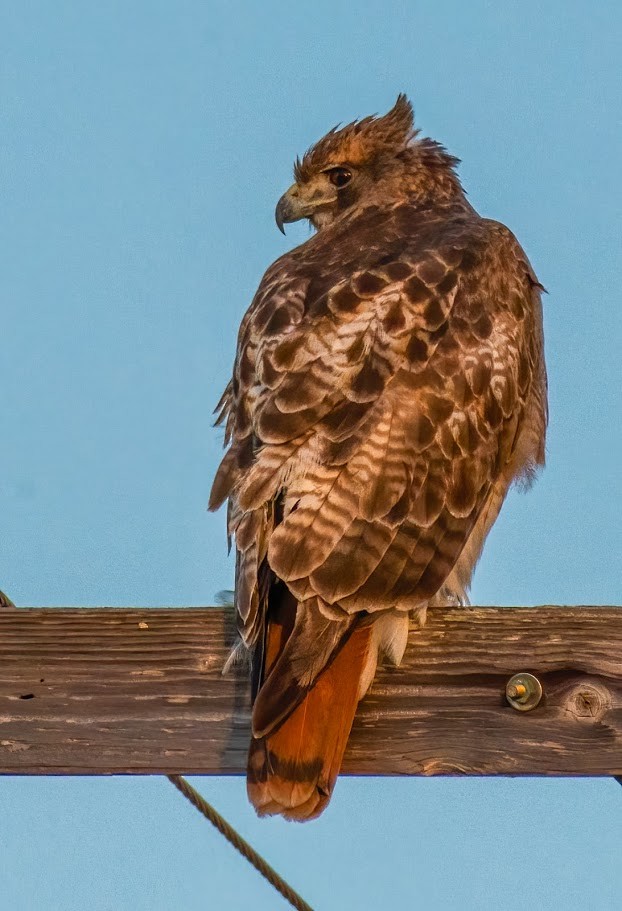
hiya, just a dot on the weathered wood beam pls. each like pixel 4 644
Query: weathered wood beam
pixel 102 691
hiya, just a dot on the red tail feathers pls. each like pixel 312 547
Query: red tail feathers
pixel 292 770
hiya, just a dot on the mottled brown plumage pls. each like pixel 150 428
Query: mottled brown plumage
pixel 389 386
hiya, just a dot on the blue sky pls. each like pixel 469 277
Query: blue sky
pixel 144 147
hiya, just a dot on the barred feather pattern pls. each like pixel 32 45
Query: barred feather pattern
pixel 389 384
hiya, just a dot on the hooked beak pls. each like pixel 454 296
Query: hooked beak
pixel 289 208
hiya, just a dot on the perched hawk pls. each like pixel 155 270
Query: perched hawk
pixel 389 386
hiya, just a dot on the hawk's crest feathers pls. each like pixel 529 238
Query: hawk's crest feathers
pixel 360 142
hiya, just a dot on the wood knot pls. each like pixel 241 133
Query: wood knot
pixel 588 701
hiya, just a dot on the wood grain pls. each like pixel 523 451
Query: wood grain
pixel 102 691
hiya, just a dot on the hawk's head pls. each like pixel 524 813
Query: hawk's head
pixel 367 162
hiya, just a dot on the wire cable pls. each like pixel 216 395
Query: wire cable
pixel 239 843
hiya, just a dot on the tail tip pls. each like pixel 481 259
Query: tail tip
pixel 295 791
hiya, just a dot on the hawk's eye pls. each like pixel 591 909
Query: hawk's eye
pixel 339 177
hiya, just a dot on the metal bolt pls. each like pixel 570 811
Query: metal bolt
pixel 516 690
pixel 523 692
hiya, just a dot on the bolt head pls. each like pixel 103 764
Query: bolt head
pixel 523 691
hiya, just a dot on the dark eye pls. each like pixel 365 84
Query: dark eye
pixel 339 177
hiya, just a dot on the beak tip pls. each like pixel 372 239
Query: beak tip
pixel 283 213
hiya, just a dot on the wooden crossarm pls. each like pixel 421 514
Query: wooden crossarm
pixel 95 691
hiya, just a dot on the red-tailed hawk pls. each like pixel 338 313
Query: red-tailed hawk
pixel 389 386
